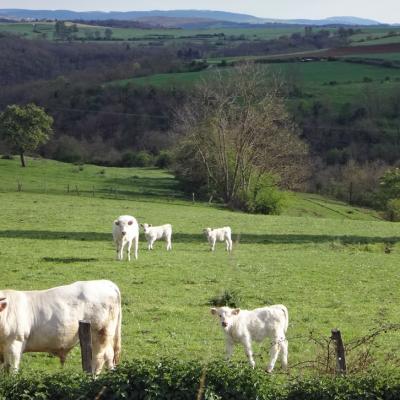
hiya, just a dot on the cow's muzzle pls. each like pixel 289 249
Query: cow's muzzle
pixel 224 324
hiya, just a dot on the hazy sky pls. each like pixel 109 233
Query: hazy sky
pixel 382 10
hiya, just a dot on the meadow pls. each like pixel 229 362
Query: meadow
pixel 332 265
pixel 35 30
pixel 338 81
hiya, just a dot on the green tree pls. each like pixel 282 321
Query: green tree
pixel 25 128
pixel 108 33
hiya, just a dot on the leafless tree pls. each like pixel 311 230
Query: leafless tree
pixel 237 125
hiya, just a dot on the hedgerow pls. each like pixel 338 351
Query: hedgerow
pixel 172 379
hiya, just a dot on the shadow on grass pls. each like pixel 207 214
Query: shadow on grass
pixel 68 260
pixel 194 238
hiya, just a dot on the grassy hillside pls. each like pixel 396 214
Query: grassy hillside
pixel 330 272
pixel 337 80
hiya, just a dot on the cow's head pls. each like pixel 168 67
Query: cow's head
pixel 123 225
pixel 207 231
pixel 146 227
pixel 3 304
pixel 226 316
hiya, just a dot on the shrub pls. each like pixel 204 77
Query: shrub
pixel 164 159
pixel 7 157
pixel 140 159
pixel 268 200
pixel 393 210
pixel 229 298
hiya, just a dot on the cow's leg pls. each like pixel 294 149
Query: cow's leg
pixel 274 352
pixel 248 350
pixel 152 243
pixel 129 250
pixel 229 346
pixel 136 245
pixel 99 340
pixel 213 245
pixel 284 355
pixel 230 245
pixel 118 244
pixel 109 356
pixel 12 356
pixel 169 244
pixel 121 250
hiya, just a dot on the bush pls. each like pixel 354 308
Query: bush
pixel 393 210
pixel 168 379
pixel 140 159
pixel 268 200
pixel 164 159
pixel 229 298
pixel 7 157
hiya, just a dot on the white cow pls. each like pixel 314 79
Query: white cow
pixel 152 233
pixel 220 234
pixel 125 231
pixel 244 326
pixel 48 321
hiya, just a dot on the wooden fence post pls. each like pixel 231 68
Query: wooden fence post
pixel 340 354
pixel 85 339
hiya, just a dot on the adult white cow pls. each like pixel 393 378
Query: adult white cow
pixel 244 326
pixel 48 321
pixel 125 232
pixel 220 234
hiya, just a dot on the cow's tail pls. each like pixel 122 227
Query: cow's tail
pixel 117 336
pixel 286 313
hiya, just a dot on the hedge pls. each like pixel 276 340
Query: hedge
pixel 173 379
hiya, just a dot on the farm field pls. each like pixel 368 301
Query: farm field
pixel 337 80
pixel 330 272
pixel 27 30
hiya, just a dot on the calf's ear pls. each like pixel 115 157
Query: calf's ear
pixel 116 222
pixel 213 310
pixel 130 222
pixel 236 311
pixel 3 304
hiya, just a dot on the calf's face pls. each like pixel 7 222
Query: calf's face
pixel 226 316
pixel 123 225
pixel 145 227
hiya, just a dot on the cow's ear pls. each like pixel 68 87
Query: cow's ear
pixel 150 225
pixel 142 225
pixel 236 311
pixel 213 310
pixel 130 222
pixel 116 222
pixel 3 304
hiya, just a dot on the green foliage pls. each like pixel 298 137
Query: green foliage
pixel 25 128
pixel 139 159
pixel 393 210
pixel 164 159
pixel 230 298
pixel 390 184
pixel 167 379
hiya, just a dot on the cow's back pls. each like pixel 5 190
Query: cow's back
pixel 57 312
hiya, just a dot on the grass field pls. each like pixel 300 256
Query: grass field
pixel 338 81
pixel 27 30
pixel 330 272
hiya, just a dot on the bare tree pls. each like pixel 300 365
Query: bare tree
pixel 237 125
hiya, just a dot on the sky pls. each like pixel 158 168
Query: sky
pixel 387 11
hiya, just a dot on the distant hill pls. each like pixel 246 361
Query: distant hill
pixel 172 17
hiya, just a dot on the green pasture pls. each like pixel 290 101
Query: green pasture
pixel 332 265
pixel 338 81
pixel 27 29
pixel 379 56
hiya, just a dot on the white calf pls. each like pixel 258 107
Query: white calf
pixel 152 233
pixel 244 326
pixel 125 231
pixel 220 234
